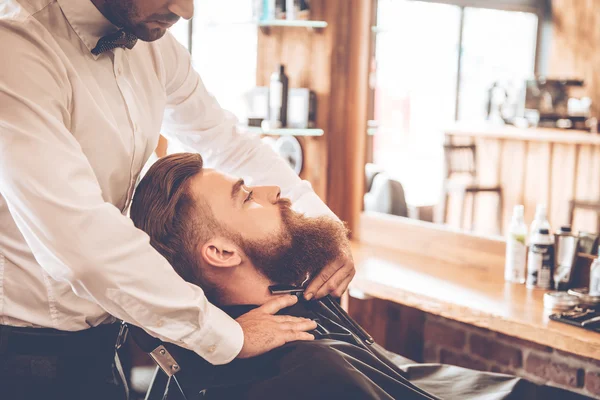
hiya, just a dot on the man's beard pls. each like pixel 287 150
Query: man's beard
pixel 305 246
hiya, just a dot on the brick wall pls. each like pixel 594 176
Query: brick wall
pixel 436 339
pixel 451 342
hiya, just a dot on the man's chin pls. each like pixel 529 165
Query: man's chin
pixel 150 32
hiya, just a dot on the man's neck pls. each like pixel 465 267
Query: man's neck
pixel 245 289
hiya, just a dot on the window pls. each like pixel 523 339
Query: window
pixel 223 42
pixel 498 46
pixel 224 48
pixel 434 64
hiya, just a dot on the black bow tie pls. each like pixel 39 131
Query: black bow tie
pixel 118 39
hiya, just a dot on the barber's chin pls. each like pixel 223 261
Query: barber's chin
pixel 151 31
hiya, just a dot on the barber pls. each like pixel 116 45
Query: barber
pixel 85 88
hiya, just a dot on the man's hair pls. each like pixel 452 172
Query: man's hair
pixel 166 210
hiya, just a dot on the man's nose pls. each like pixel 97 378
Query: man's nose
pixel 183 8
pixel 268 193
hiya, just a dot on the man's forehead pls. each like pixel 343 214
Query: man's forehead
pixel 211 181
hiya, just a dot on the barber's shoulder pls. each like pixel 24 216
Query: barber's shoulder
pixel 20 31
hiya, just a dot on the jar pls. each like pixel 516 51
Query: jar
pixel 555 302
pixel 585 299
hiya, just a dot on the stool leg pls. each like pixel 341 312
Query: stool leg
pixel 571 212
pixel 500 213
pixel 463 204
pixel 473 209
pixel 445 201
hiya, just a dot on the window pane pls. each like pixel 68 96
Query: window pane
pixel 224 48
pixel 181 32
pixel 498 46
pixel 415 92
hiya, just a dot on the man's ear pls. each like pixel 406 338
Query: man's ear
pixel 221 252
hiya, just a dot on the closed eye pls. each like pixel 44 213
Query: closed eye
pixel 249 197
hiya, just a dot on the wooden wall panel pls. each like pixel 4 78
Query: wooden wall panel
pixel 575 43
pixel 536 179
pixel 588 185
pixel 488 160
pixel 292 47
pixel 563 177
pixel 333 62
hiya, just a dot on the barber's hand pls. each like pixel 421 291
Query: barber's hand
pixel 333 279
pixel 264 331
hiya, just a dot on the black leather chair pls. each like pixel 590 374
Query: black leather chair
pixel 383 194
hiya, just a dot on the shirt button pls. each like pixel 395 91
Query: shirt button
pixel 212 349
pixel 136 127
pixel 119 71
pixel 160 324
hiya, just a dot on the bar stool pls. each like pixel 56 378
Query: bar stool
pixel 584 205
pixel 462 160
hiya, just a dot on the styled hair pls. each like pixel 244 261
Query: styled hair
pixel 165 209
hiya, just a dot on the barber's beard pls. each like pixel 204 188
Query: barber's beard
pixel 127 16
pixel 305 246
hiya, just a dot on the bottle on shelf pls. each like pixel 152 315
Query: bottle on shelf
pixel 269 10
pixel 540 262
pixel 516 248
pixel 278 98
pixel 539 222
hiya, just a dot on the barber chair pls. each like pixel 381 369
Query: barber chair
pixel 170 380
pixel 383 194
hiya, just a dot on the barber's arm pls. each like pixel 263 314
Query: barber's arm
pixel 195 119
pixel 77 237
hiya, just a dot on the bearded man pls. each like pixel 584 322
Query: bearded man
pixel 235 241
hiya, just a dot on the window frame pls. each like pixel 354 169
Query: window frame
pixel 541 8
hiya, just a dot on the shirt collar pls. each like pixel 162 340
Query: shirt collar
pixel 87 21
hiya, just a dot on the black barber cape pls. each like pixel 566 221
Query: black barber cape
pixel 339 365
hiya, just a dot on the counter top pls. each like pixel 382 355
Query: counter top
pixel 488 131
pixel 467 294
pixel 460 277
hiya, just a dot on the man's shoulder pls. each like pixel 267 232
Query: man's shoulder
pixel 18 25
pixel 23 38
pixel 21 11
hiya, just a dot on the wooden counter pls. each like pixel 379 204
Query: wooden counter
pixel 547 135
pixel 549 166
pixel 429 270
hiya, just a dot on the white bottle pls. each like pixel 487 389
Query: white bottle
pixel 539 222
pixel 595 277
pixel 516 248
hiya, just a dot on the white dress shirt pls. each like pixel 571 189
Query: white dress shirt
pixel 75 132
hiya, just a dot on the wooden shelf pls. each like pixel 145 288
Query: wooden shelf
pixel 285 131
pixel 312 25
pixel 376 30
pixel 549 135
pixel 293 23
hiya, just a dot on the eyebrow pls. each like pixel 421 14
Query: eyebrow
pixel 235 189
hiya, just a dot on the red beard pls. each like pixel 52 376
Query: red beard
pixel 305 246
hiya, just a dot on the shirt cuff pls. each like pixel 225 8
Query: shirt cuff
pixel 220 340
